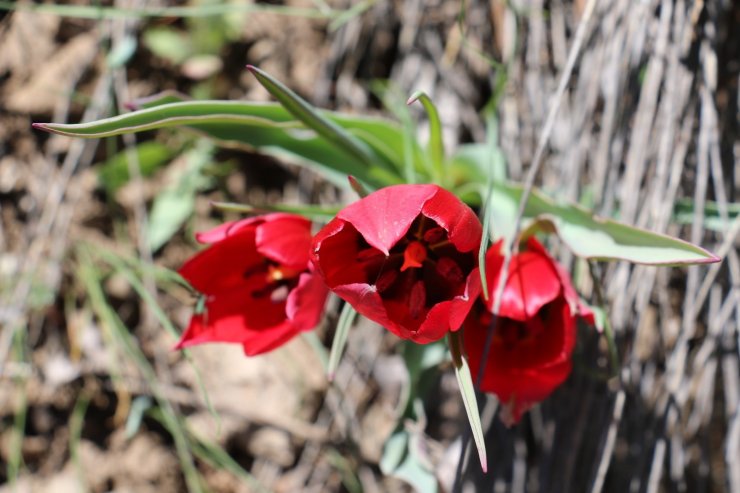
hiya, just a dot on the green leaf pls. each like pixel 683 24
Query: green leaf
pixel 310 116
pixel 173 206
pixel 475 163
pixel 164 97
pixel 394 451
pixel 684 214
pixel 346 319
pixel 150 155
pixel 382 135
pixel 268 128
pixel 139 406
pixel 414 159
pixel 404 456
pixel 436 149
pixel 485 240
pixel 587 235
pixel 478 156
pixel 467 390
pixel 122 52
pixel 171 44
pixel 313 212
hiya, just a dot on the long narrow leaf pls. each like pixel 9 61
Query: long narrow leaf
pixel 493 152
pixel 313 212
pixel 467 390
pixel 485 240
pixel 346 319
pixel 436 143
pixel 311 117
pixel 268 128
pixel 383 136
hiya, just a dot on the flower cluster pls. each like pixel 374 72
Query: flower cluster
pixel 405 257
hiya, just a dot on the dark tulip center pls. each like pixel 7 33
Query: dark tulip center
pixel 423 268
pixel 273 280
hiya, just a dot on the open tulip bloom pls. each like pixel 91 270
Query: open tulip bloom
pixel 404 257
pixel 407 256
pixel 530 350
pixel 260 289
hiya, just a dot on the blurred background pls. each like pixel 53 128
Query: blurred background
pixel 92 396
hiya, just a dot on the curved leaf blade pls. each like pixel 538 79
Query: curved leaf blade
pixel 467 391
pixel 384 136
pixel 268 128
pixel 589 236
pixel 303 111
pixel 346 319
pixel 436 146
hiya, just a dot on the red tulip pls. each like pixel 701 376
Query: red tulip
pixel 260 288
pixel 532 343
pixel 404 257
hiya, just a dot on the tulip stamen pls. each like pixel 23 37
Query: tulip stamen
pixel 419 234
pixel 439 245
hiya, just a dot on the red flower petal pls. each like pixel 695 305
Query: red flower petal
pixel 462 225
pixel 449 315
pixel 225 230
pixel 221 267
pixel 528 360
pixel 225 319
pixel 530 351
pixel 532 282
pixel 337 243
pixel 285 239
pixel 305 304
pixel 577 306
pixel 263 341
pixel 384 216
pixel 367 301
pixel 521 401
